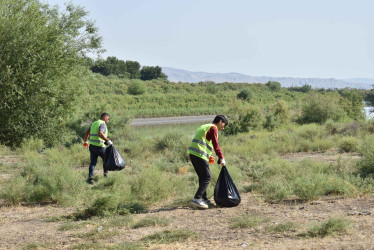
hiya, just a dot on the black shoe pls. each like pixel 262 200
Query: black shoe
pixel 208 202
pixel 105 175
pixel 89 181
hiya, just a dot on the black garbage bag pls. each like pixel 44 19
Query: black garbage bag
pixel 225 192
pixel 113 160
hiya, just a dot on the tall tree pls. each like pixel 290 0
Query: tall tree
pixel 149 73
pixel 110 66
pixel 133 68
pixel 41 72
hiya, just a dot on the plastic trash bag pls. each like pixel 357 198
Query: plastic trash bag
pixel 225 192
pixel 113 160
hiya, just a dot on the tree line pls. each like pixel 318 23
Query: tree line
pixel 125 69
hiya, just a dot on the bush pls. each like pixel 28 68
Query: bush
pixel 136 87
pixel 349 144
pixel 42 81
pixel 245 94
pixel 309 187
pixel 366 164
pixel 274 86
pixel 332 227
pixel 242 118
pixel 319 108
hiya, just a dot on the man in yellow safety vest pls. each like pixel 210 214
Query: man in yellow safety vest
pixel 200 151
pixel 97 137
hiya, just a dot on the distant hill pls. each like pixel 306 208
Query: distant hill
pixel 179 75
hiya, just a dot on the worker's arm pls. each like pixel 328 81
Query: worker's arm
pixel 86 135
pixel 102 136
pixel 211 135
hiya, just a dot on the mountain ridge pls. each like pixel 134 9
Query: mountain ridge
pixel 180 75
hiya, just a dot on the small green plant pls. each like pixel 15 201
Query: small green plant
pixel 247 221
pixel 309 187
pixel 70 226
pixel 169 236
pixel 150 221
pixel 332 227
pixel 103 206
pixel 282 227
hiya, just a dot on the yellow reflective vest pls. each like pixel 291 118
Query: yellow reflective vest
pixel 200 146
pixel 94 138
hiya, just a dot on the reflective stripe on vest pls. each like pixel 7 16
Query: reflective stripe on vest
pixel 202 143
pixel 94 138
pixel 200 146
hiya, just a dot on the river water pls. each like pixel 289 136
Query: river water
pixel 369 115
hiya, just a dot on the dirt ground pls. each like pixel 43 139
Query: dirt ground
pixel 27 227
pixel 23 227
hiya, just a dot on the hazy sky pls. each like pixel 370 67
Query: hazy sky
pixel 296 38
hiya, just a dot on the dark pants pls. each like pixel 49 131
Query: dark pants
pixel 202 169
pixel 95 151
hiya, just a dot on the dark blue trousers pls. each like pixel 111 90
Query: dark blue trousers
pixel 95 152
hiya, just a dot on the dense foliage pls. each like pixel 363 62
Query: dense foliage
pixel 41 77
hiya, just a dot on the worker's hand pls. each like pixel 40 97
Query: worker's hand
pixel 109 142
pixel 223 162
pixel 85 144
pixel 212 160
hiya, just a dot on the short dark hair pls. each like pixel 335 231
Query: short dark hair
pixel 220 118
pixel 104 114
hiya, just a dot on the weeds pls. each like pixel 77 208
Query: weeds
pixel 169 236
pixel 333 227
pixel 150 221
pixel 247 221
pixel 282 227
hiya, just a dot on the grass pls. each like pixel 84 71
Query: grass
pixel 37 245
pixel 169 236
pixel 159 170
pixel 151 221
pixel 332 227
pixel 97 234
pixel 283 227
pixel 247 221
pixel 98 245
pixel 68 226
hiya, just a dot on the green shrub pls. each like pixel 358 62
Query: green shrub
pixel 247 221
pixel 242 118
pixel 282 227
pixel 309 187
pixel 333 227
pixel 152 185
pixel 319 108
pixel 102 206
pixel 276 189
pixel 14 191
pixel 274 86
pixel 349 144
pixel 31 144
pixel 331 127
pixel 245 94
pixel 366 164
pixel 136 87
pixel 271 122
